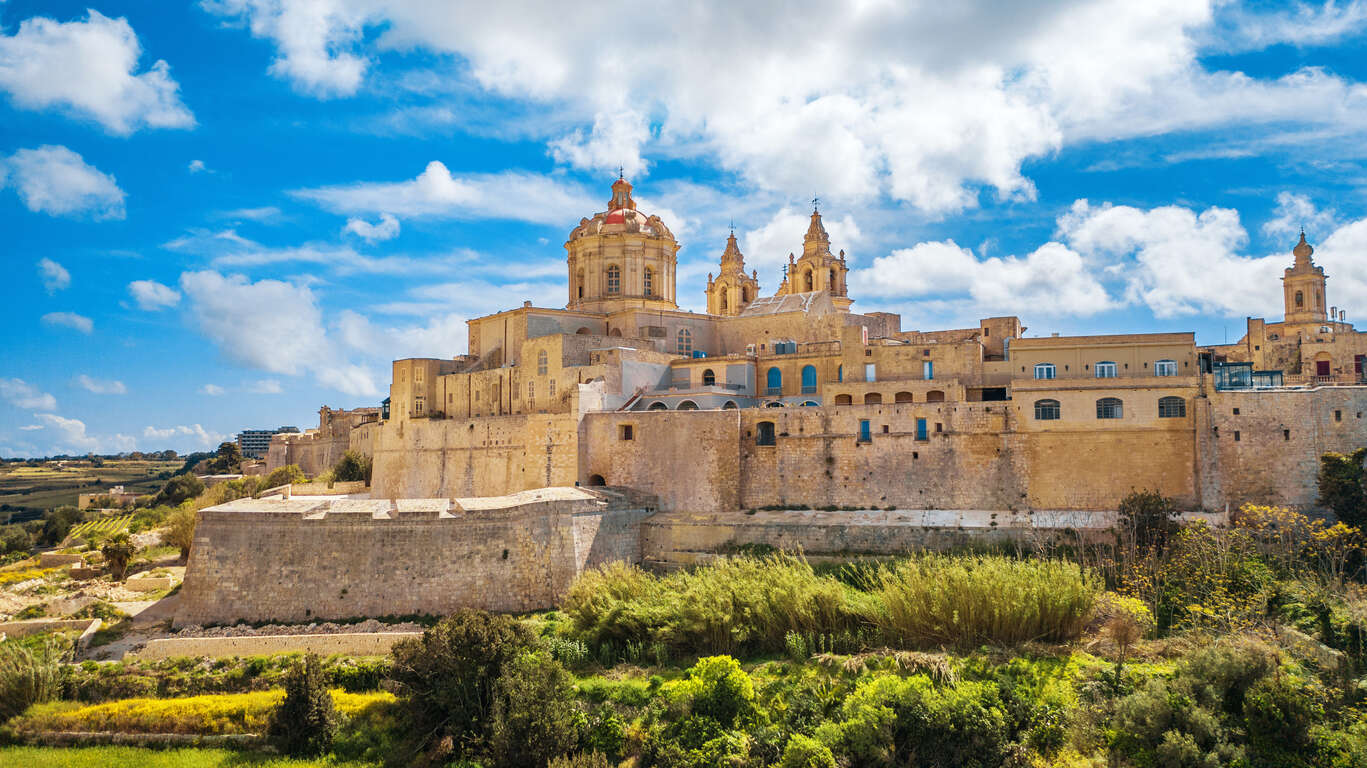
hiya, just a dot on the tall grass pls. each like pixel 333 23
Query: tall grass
pixel 30 672
pixel 940 600
pixel 747 605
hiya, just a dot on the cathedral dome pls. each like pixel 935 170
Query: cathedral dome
pixel 621 217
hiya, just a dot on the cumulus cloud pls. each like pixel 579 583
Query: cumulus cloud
pixel 265 387
pixel 386 229
pixel 153 296
pixel 273 326
pixel 21 394
pixel 193 435
pixel 196 166
pixel 69 320
pixel 89 69
pixel 930 103
pixel 512 195
pixel 101 386
pixel 228 249
pixel 212 390
pixel 54 275
pixel 767 247
pixel 1295 213
pixel 70 436
pixel 56 181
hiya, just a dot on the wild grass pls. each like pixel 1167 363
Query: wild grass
pixel 103 757
pixel 754 605
pixel 206 715
pixel 30 672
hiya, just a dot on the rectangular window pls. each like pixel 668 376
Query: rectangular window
pixel 1338 415
pixel 1045 370
pixel 1165 368
pixel 939 427
pixel 628 432
pixel 870 372
pixel 1286 434
pixel 418 407
pixel 928 370
pixel 1105 370
pixel 1236 435
pixel 550 387
pixel 865 431
pixel 531 390
pixel 921 430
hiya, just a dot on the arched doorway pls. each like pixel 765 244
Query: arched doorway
pixel 597 480
pixel 582 331
pixel 658 406
pixel 687 405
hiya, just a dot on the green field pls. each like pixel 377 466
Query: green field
pixel 105 757
pixel 58 483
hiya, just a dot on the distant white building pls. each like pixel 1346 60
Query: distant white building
pixel 255 442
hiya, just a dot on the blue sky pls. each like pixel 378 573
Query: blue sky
pixel 221 215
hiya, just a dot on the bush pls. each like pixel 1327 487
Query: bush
pixel 1340 486
pixel 581 760
pixel 304 723
pixel 30 673
pixel 1147 519
pixel 967 601
pixel 804 752
pixel 290 473
pixel 352 467
pixel 535 717
pixel 447 679
pixel 179 489
pixel 180 529
pixel 117 552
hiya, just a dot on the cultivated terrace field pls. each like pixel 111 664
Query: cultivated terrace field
pixel 56 483
pixel 1242 646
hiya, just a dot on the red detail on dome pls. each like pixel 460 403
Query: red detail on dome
pixel 618 216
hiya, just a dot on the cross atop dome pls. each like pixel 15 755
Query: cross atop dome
pixel 621 195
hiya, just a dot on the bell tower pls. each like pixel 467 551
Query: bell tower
pixel 733 290
pixel 1303 287
pixel 816 269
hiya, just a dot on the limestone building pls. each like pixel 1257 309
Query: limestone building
pixel 795 400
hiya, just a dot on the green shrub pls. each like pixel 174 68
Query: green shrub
pixel 581 760
pixel 535 717
pixel 352 467
pixel 447 678
pixel 118 551
pixel 1340 486
pixel 30 673
pixel 180 529
pixel 359 675
pixel 1147 519
pixel 180 488
pixel 804 752
pixel 304 723
pixel 286 475
pixel 967 601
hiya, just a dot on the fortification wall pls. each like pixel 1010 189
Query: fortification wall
pixel 301 560
pixel 489 456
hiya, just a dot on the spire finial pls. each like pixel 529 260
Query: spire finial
pixel 816 202
pixel 733 227
pixel 620 173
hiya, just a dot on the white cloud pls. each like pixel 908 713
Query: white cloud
pixel 69 436
pixel 387 229
pixel 56 181
pixel 69 320
pixel 89 69
pixel 1300 24
pixel 511 195
pixel 31 427
pixel 194 436
pixel 315 39
pixel 55 277
pixel 444 335
pixel 196 166
pixel 21 394
pixel 927 102
pixel 767 247
pixel 265 213
pixel 272 326
pixel 212 390
pixel 1295 213
pixel 265 387
pixel 153 296
pixel 1051 280
pixel 102 386
pixel 228 249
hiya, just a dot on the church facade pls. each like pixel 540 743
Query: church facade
pixel 794 400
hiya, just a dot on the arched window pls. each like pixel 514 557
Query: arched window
pixel 1105 370
pixel 1300 299
pixel 729 405
pixel 810 404
pixel 1109 408
pixel 709 379
pixel 844 400
pixel 658 406
pixel 582 331
pixel 902 397
pixel 614 280
pixel 685 346
pixel 1047 410
pixel 774 404
pixel 832 287
pixel 873 398
pixel 773 381
pixel 1044 370
pixel 839 373
pixel 764 433
pixel 649 282
pixel 808 379
pixel 1165 368
pixel 1172 408
pixel 579 283
pixel 541 363
pixel 744 295
pixel 935 396
pixel 807 280
pixel 723 299
pixel 687 405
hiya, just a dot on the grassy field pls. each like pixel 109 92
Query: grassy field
pixel 57 483
pixel 105 757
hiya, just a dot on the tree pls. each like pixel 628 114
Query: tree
pixel 352 467
pixel 1148 518
pixel 304 723
pixel 180 529
pixel 535 718
pixel 117 552
pixel 228 460
pixel 1340 484
pixel 290 473
pixel 179 489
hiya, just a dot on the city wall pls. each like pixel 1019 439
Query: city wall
pixel 301 560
